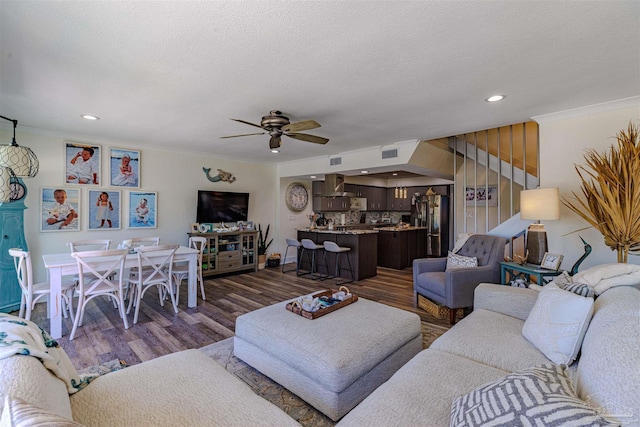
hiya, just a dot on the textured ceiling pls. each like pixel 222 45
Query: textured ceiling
pixel 171 74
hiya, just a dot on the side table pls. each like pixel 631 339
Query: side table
pixel 528 270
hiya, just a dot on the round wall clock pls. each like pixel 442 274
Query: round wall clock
pixel 18 190
pixel 296 197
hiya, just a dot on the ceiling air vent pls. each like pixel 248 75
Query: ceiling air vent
pixel 390 154
pixel 335 161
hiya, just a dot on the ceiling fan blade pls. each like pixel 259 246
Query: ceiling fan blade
pixel 247 123
pixel 245 134
pixel 297 127
pixel 308 138
pixel 274 142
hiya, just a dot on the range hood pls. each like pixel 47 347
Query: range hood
pixel 334 186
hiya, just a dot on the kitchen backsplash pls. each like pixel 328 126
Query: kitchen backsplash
pixel 353 217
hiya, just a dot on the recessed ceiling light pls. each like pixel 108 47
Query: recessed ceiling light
pixel 364 171
pixel 495 98
pixel 275 151
pixel 90 117
pixel 313 177
pixel 395 174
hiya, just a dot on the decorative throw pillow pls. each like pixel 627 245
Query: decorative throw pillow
pixel 566 282
pixel 563 279
pixel 458 261
pixel 537 396
pixel 18 413
pixel 557 323
pixel 581 289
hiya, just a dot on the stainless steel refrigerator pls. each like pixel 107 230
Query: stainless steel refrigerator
pixel 432 212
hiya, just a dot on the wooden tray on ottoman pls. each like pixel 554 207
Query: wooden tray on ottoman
pixel 294 306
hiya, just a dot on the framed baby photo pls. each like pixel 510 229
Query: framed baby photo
pixel 60 209
pixel 124 168
pixel 82 163
pixel 104 210
pixel 143 209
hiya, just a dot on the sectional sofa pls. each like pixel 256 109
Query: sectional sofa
pixel 188 388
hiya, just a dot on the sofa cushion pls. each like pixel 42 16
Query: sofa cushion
pixel 18 413
pixel 493 339
pixel 184 388
pixel 608 372
pixel 557 323
pixel 540 395
pixel 459 261
pixel 27 378
pixel 421 392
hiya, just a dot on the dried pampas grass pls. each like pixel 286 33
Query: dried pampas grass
pixel 611 190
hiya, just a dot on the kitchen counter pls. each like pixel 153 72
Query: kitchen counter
pixel 399 246
pixel 362 256
pixel 334 231
pixel 411 228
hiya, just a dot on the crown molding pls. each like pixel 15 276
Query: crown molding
pixel 618 104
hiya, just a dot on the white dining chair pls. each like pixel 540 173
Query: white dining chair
pixel 89 245
pixel 159 271
pixel 32 293
pixel 180 271
pixel 100 274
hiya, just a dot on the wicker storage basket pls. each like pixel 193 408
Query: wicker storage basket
pixel 437 310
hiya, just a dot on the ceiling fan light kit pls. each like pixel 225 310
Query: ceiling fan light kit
pixel 276 125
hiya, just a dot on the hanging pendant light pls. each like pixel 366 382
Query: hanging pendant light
pixel 5 187
pixel 21 161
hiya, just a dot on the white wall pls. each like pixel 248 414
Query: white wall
pixel 563 140
pixel 176 176
pixel 290 221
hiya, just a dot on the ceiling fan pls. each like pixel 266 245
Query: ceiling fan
pixel 276 125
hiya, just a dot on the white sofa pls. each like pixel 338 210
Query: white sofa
pixel 488 344
pixel 181 389
pixel 188 388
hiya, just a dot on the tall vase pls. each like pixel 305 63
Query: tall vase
pixel 262 261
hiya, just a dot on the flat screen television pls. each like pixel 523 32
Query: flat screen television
pixel 222 206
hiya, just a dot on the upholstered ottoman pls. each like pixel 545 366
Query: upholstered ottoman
pixel 332 362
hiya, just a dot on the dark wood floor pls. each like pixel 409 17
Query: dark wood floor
pixel 160 331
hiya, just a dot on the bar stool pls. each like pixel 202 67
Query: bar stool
pixel 310 245
pixel 338 250
pixel 292 243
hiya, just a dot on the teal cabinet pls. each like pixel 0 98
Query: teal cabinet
pixel 11 236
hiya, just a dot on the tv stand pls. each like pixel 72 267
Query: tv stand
pixel 229 251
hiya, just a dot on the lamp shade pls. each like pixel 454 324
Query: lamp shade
pixel 21 160
pixel 5 188
pixel 539 204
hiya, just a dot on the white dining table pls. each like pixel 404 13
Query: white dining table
pixel 63 264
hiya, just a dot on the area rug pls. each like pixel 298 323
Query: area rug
pixel 296 408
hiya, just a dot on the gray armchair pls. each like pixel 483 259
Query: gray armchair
pixel 454 288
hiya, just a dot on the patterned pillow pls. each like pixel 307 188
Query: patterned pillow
pixel 537 396
pixel 564 281
pixel 557 323
pixel 458 261
pixel 18 413
pixel 579 288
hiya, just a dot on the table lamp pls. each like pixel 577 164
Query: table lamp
pixel 538 204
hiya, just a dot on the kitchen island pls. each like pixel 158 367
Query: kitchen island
pixel 363 254
pixel 399 246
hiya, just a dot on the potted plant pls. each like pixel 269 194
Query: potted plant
pixel 263 245
pixel 611 188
